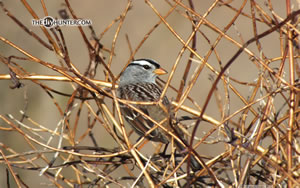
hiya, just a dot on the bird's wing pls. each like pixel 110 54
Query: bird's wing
pixel 140 123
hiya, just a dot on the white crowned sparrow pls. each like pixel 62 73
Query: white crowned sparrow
pixel 138 83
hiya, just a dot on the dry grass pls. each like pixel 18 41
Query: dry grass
pixel 247 118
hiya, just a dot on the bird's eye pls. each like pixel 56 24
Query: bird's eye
pixel 146 67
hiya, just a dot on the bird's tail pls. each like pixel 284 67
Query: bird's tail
pixel 195 165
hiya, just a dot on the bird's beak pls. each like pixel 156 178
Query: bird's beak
pixel 160 71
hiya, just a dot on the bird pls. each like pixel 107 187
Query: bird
pixel 138 83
